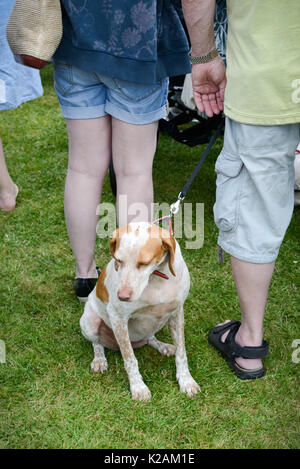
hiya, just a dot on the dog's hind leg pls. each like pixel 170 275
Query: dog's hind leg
pixel 165 349
pixel 90 325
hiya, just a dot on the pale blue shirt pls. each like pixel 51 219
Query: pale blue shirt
pixel 17 82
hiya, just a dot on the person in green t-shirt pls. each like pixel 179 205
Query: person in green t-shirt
pixel 260 94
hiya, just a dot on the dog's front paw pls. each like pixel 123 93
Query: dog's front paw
pixel 140 392
pixel 188 385
pixel 99 365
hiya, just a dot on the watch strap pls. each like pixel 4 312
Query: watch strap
pixel 204 58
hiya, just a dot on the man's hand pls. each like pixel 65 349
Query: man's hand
pixel 209 81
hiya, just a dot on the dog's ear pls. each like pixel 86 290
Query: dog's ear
pixel 169 245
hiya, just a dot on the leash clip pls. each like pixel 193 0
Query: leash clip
pixel 174 208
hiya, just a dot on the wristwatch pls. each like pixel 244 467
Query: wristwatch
pixel 204 58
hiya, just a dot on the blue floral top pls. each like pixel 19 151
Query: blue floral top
pixel 136 40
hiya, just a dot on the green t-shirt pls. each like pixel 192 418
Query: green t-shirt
pixel 263 59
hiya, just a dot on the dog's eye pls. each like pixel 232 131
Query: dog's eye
pixel 118 263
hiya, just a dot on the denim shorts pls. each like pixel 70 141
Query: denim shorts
pixel 86 95
pixel 255 189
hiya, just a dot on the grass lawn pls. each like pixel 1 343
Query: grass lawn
pixel 48 396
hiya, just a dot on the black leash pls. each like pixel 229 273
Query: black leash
pixel 174 208
pixel 203 158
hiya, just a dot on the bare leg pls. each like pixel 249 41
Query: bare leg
pixel 8 189
pixel 252 283
pixel 133 152
pixel 89 156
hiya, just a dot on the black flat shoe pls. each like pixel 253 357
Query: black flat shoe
pixel 84 286
pixel 231 350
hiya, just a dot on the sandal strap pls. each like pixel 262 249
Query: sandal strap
pixel 225 327
pixel 245 352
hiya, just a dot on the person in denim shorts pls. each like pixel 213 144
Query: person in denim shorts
pixel 255 170
pixel 111 77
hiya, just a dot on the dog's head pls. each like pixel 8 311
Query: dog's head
pixel 138 250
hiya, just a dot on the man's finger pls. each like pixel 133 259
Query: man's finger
pixel 207 105
pixel 220 102
pixel 213 103
pixel 198 101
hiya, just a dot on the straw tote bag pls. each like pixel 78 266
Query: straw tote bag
pixel 34 31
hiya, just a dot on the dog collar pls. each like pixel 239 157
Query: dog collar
pixel 160 274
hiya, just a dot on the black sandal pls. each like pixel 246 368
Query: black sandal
pixel 84 286
pixel 230 350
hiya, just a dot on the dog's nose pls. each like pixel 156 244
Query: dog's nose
pixel 124 294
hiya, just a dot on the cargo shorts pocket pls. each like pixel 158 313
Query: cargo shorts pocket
pixel 229 181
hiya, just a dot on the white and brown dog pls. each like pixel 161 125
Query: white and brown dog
pixel 130 304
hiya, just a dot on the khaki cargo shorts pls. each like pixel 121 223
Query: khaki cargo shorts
pixel 255 189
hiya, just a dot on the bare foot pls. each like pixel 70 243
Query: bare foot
pixel 246 363
pixel 8 199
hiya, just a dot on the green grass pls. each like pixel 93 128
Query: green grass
pixel 48 397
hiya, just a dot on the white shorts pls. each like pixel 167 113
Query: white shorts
pixel 255 189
